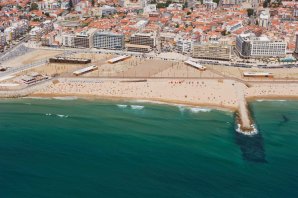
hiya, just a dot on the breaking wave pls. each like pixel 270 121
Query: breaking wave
pixel 66 98
pixel 197 109
pixel 121 105
pixel 252 132
pixel 137 107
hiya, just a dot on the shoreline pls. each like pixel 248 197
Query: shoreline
pixel 136 99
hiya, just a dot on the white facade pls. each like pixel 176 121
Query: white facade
pixel 184 46
pixel 248 45
pixel 108 40
pixel 264 18
pixel 68 40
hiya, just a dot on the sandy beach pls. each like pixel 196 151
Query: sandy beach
pixel 160 80
pixel 194 92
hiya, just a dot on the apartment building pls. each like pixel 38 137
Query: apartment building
pixel 108 40
pixel 184 46
pixel 68 40
pixel 10 34
pixel 84 39
pixel 148 39
pixel 212 51
pixel 264 18
pixel 36 34
pixel 249 45
pixel 2 40
pixel 138 48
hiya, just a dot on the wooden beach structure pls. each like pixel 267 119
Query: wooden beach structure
pixel 118 59
pixel 85 70
pixel 69 60
pixel 195 65
pixel 258 74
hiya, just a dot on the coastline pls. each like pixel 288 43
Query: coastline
pixel 138 100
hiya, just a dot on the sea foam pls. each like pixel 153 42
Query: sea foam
pixel 137 107
pixel 252 132
pixel 62 116
pixel 197 109
pixel 66 98
pixel 121 105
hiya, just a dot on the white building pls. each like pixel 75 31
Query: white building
pixel 36 34
pixel 68 40
pixel 184 46
pixel 108 40
pixel 10 34
pixel 248 45
pixel 233 26
pixel 134 3
pixel 264 19
pixel 140 24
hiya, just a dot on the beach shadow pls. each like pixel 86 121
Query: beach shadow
pixel 252 147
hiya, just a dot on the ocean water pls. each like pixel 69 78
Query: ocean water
pixel 76 148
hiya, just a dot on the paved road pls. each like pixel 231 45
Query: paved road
pixel 2 55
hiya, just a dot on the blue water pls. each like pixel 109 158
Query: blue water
pixel 77 148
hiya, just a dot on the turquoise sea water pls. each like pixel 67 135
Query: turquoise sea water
pixel 56 148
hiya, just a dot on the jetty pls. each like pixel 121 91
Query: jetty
pixel 245 122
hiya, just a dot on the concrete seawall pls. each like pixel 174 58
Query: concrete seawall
pixel 26 91
pixel 244 119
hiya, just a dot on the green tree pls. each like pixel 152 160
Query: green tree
pixel 70 4
pixel 250 12
pixel 33 6
pixel 93 2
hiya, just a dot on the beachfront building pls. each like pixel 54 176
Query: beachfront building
pixel 184 46
pixel 138 48
pixel 108 40
pixel 68 40
pixel 212 51
pixel 148 39
pixel 251 46
pixel 84 39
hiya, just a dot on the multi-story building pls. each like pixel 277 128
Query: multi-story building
pixel 184 46
pixel 10 34
pixel 47 26
pixel 108 40
pixel 68 40
pixel 84 39
pixel 296 49
pixel 2 40
pixel 107 10
pixel 212 51
pixel 36 34
pixel 148 39
pixel 138 48
pixel 134 3
pixel 248 45
pixel 264 18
